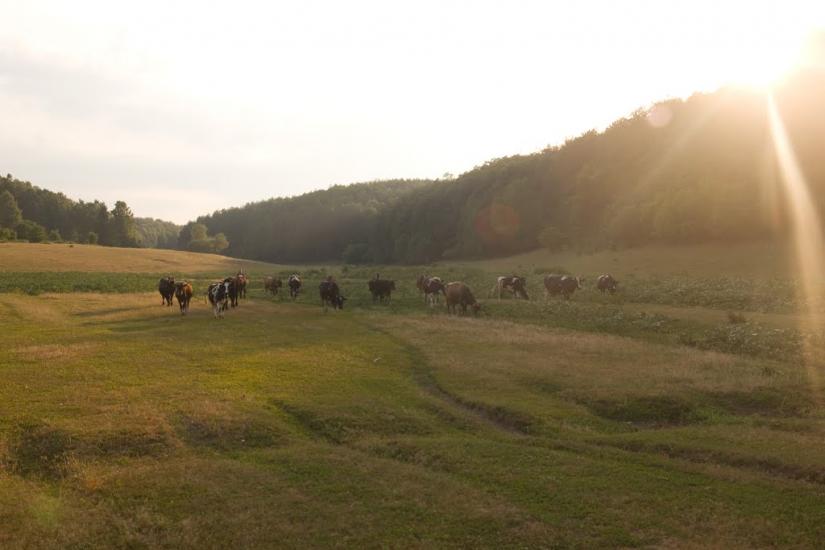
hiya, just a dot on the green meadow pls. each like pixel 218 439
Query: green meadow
pixel 677 413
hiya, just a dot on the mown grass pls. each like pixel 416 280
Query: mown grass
pixel 124 424
pixel 599 422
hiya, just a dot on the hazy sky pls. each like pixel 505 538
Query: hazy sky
pixel 181 108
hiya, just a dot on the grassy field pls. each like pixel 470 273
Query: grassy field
pixel 602 422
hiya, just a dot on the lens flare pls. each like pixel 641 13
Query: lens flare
pixel 808 240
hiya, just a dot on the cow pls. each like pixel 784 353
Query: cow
pixel 232 290
pixel 183 293
pixel 459 294
pixel 419 283
pixel 166 287
pixel 240 284
pixel 565 285
pixel 431 287
pixel 514 284
pixel 294 283
pixel 381 289
pixel 272 284
pixel 330 294
pixel 218 294
pixel 606 283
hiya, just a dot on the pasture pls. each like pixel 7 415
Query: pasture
pixel 649 418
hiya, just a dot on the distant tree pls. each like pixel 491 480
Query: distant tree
pixel 122 226
pixel 101 226
pixel 7 234
pixel 552 238
pixel 219 243
pixel 92 238
pixel 31 231
pixel 54 236
pixel 355 253
pixel 10 214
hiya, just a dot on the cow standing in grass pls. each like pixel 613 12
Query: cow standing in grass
pixel 166 287
pixel 517 286
pixel 240 284
pixel 331 294
pixel 294 284
pixel 232 290
pixel 606 283
pixel 459 294
pixel 183 293
pixel 560 284
pixel 272 284
pixel 381 289
pixel 432 287
pixel 218 295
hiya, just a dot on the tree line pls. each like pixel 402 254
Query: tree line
pixel 683 171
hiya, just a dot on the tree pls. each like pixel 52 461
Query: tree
pixel 54 236
pixel 122 226
pixel 10 214
pixel 92 237
pixel 31 231
pixel 552 238
pixel 7 234
pixel 219 243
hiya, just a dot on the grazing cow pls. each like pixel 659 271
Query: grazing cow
pixel 432 286
pixel 166 287
pixel 218 294
pixel 183 292
pixel 240 284
pixel 331 294
pixel 459 294
pixel 606 283
pixel 514 284
pixel 381 289
pixel 232 290
pixel 560 284
pixel 294 283
pixel 272 284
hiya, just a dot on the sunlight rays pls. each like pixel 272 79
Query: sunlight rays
pixel 807 235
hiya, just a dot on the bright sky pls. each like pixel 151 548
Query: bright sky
pixel 184 107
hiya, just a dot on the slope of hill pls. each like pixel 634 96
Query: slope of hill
pixel 700 170
pixel 30 257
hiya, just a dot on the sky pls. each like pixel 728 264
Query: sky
pixel 183 107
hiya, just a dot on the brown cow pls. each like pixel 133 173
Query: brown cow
pixel 273 284
pixel 459 294
pixel 183 293
pixel 240 284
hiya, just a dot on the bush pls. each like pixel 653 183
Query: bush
pixel 31 231
pixel 54 236
pixel 7 234
pixel 92 237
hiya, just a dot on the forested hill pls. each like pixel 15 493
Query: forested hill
pixel 683 171
pixel 28 212
pixel 316 226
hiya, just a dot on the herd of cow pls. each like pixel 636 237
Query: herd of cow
pixel 226 293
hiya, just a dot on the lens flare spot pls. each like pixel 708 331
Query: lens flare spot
pixel 659 116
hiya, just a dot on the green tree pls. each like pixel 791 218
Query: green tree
pixel 31 231
pixel 92 238
pixel 219 243
pixel 54 236
pixel 10 214
pixel 122 226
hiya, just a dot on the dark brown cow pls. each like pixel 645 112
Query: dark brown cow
pixel 166 287
pixel 240 284
pixel 183 293
pixel 381 289
pixel 459 294
pixel 331 294
pixel 272 284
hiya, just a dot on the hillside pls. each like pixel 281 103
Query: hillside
pixel 700 170
pixel 30 257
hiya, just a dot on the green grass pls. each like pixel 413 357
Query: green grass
pixel 599 422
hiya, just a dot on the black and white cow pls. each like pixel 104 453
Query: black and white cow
pixel 218 294
pixel 606 283
pixel 294 284
pixel 514 284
